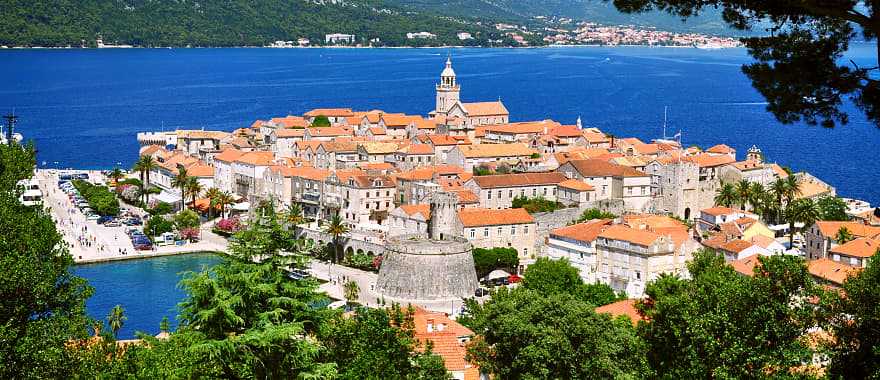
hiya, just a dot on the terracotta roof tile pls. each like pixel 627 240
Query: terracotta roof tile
pixel 623 307
pixel 601 168
pixel 830 270
pixel 746 265
pixel 721 149
pixel 574 184
pixel 519 179
pixel 585 232
pixel 485 109
pixel 330 112
pixel 256 158
pixel 625 233
pixel 412 210
pixel 861 247
pixel 496 150
pixel 228 155
pixel 477 217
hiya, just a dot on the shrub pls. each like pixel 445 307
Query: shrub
pixel 100 198
pixel 158 225
pixel 160 208
pixel 190 233
pixel 360 261
pixel 377 262
pixel 229 226
pixel 487 260
pixel 186 219
pixel 128 192
pixel 594 213
pixel 537 204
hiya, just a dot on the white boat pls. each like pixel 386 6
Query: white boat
pixel 17 137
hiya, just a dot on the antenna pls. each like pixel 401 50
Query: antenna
pixel 10 125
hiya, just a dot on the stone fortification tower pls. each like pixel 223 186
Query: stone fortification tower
pixel 433 267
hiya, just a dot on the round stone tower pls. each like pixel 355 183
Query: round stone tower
pixel 418 268
pixel 433 267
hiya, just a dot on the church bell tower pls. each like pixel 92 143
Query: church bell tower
pixel 447 89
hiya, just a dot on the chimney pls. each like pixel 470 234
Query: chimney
pixel 430 325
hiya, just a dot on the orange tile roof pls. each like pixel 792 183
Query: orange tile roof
pixel 858 229
pixel 625 233
pixel 466 197
pixel 601 168
pixel 485 109
pixel 716 211
pixel 533 127
pixel 746 265
pixel 596 137
pixel 580 154
pixel 377 131
pixel 375 165
pixel 257 124
pixel 622 307
pixel 861 247
pixel 496 150
pixel 518 179
pixel 375 147
pixel 291 122
pixel 399 120
pixel 736 246
pixel 721 149
pixel 478 217
pixel 585 232
pixel 574 184
pixel 830 270
pixel 228 155
pixel 330 131
pixel 417 149
pixel 443 140
pixel 445 337
pixel 310 173
pixel 257 158
pixel 289 133
pixel 707 161
pixel 565 131
pixel 330 112
pixel 412 210
pixel 779 171
pixel 200 170
pixel 747 165
pixel 149 150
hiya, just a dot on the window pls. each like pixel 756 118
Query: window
pixel 485 232
pixel 512 230
pixel 525 230
pixel 638 275
pixel 510 194
pixel 534 192
pixel 499 194
pixel 525 251
pixel 500 231
pixel 488 195
pixel 545 191
pixel 473 233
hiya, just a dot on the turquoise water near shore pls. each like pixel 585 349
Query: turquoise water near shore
pixel 146 288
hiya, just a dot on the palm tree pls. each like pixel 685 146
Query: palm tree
pixel 180 181
pixel 212 194
pixel 350 291
pixel 337 228
pixel 116 319
pixel 116 175
pixel 144 165
pixel 793 188
pixel 194 188
pixel 223 200
pixel 804 211
pixel 743 193
pixel 726 195
pixel 164 326
pixel 294 215
pixel 843 235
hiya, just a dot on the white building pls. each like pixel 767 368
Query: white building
pixel 577 244
pixel 339 39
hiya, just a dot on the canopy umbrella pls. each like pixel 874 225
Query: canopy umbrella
pixel 496 274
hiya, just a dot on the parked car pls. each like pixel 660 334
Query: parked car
pixel 92 217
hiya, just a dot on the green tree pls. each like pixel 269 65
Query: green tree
pixel 321 121
pixel 158 225
pixel 181 181
pixel 337 228
pixel 832 208
pixel 721 324
pixel 536 204
pixel 547 277
pixel 855 324
pixel 381 343
pixel 594 213
pixel 194 188
pixel 798 68
pixel 487 260
pixel 743 193
pixel 224 199
pixel 116 319
pixel 351 291
pixel 42 305
pixel 116 175
pixel 164 325
pixel 843 235
pixel 293 216
pixel 144 166
pixel 524 334
pixel 726 195
pixel 186 219
pixel 161 208
pixel 802 210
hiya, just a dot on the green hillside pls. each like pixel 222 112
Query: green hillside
pixel 221 23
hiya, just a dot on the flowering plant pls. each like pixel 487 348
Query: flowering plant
pixel 231 225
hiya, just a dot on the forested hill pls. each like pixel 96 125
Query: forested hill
pixel 224 23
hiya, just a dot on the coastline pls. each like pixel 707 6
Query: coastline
pixel 360 47
pixel 144 256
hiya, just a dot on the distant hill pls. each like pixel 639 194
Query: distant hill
pixel 260 22
pixel 599 11
pixel 223 22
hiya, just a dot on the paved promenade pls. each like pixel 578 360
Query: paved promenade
pixel 90 242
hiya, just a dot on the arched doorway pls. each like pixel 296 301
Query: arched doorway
pixel 687 213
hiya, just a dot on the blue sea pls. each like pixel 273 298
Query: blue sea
pixel 147 289
pixel 84 107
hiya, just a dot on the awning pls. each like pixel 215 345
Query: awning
pixel 496 274
pixel 167 197
pixel 243 206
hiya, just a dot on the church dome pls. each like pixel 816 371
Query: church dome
pixel 448 71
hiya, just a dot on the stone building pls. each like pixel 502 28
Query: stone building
pixel 508 228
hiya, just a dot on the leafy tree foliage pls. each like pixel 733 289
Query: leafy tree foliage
pixel 594 213
pixel 527 335
pixel 721 324
pixel 378 344
pixel 100 198
pixel 158 225
pixel 321 121
pixel 856 325
pixel 42 305
pixel 798 67
pixel 487 260
pixel 832 208
pixel 536 204
pixel 186 219
pixel 547 277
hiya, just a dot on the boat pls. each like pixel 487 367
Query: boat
pixel 17 137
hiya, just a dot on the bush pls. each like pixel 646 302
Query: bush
pixel 537 204
pixel 229 226
pixel 594 213
pixel 487 260
pixel 128 193
pixel 100 198
pixel 190 234
pixel 360 261
pixel 160 208
pixel 187 219
pixel 158 225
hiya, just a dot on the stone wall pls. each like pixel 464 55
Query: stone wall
pixel 415 268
